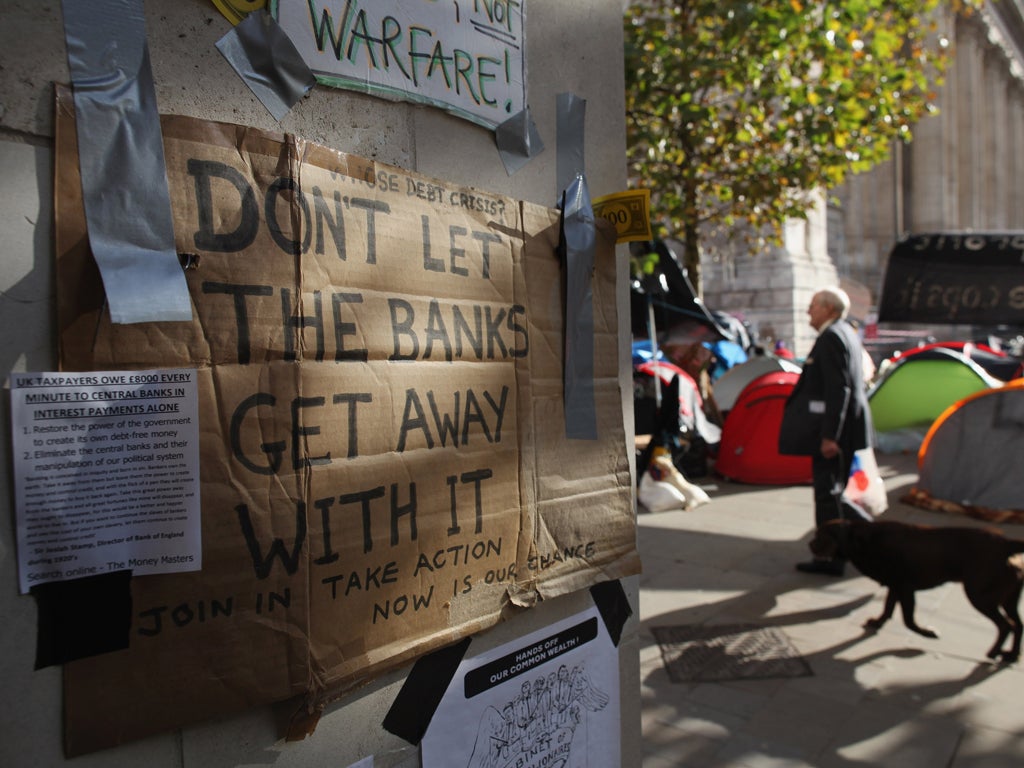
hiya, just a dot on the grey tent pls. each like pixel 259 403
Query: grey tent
pixel 969 461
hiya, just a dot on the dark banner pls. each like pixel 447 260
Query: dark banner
pixel 973 279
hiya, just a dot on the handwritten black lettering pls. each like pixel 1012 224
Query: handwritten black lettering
pixel 463 408
pixel 282 199
pixel 282 599
pixel 262 563
pixel 457 555
pixel 238 294
pixel 370 578
pixel 326 222
pixel 285 193
pixel 294 324
pixel 343 328
pixel 240 438
pixel 151 621
pixel 545 560
pixel 494 333
pixel 399 605
pixel 206 238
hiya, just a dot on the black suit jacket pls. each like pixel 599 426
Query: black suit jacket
pixel 829 400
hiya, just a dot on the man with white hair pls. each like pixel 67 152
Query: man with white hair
pixel 830 404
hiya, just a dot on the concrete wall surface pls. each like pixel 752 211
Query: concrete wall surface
pixel 572 46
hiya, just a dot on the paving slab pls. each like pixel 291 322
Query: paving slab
pixel 889 697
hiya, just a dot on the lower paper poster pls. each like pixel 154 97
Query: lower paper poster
pixel 548 699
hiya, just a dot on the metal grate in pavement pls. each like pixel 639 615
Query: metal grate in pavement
pixel 716 653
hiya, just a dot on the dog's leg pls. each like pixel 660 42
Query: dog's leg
pixel 1013 654
pixel 989 606
pixel 907 605
pixel 890 605
pixel 1003 628
pixel 1010 607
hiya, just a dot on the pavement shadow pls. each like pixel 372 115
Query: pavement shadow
pixel 906 714
pixel 894 719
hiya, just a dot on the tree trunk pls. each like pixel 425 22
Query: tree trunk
pixel 691 240
pixel 691 259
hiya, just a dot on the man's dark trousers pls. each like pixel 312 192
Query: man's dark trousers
pixel 830 479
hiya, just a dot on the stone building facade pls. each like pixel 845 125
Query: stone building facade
pixel 963 171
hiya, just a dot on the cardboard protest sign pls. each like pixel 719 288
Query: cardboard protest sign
pixel 468 59
pixel 383 460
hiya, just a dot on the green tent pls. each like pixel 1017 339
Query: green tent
pixel 918 388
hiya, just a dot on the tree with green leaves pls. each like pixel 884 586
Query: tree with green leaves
pixel 738 110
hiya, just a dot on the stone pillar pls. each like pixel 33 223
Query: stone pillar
pixel 930 183
pixel 772 290
pixel 968 105
pixel 993 212
pixel 1014 161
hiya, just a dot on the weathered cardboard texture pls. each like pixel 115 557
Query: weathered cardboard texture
pixel 346 530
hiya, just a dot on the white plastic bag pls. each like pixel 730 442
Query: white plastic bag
pixel 657 496
pixel 663 487
pixel 865 487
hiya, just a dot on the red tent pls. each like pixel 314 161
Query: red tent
pixel 749 451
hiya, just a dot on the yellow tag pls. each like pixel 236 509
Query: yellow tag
pixel 236 10
pixel 629 212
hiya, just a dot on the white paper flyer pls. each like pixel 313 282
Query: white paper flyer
pixel 106 467
pixel 547 700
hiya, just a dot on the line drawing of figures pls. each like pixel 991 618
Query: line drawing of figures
pixel 494 738
pixel 540 709
pixel 585 693
pixel 521 707
pixel 563 694
pixel 539 725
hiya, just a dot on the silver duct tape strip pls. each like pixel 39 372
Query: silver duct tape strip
pixel 580 238
pixel 121 156
pixel 518 141
pixel 579 233
pixel 267 60
pixel 571 112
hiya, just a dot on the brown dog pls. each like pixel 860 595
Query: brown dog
pixel 906 558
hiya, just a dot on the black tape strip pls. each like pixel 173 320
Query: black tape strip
pixel 82 617
pixel 614 607
pixel 413 708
